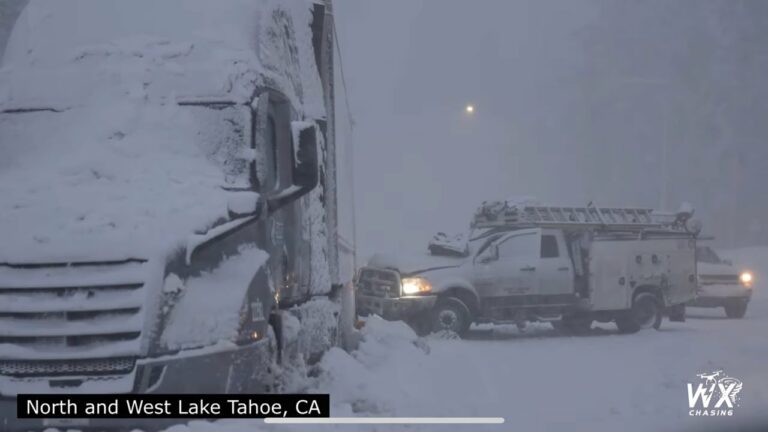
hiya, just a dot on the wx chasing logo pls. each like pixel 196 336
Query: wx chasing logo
pixel 715 396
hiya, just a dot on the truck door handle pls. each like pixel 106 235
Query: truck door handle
pixel 563 268
pixel 528 268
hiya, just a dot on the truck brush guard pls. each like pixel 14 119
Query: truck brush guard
pixel 379 282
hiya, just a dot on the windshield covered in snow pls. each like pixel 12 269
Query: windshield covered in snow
pixel 111 171
pixel 75 136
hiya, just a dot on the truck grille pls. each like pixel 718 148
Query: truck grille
pixel 378 282
pixel 32 368
pixel 719 279
pixel 81 318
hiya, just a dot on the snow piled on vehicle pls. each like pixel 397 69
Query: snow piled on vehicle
pixel 449 245
pixel 99 159
pixel 179 48
pixel 209 307
pixel 109 189
pixel 314 229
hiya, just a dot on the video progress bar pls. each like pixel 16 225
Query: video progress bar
pixel 385 420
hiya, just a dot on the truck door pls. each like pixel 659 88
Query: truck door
pixel 555 270
pixel 510 270
pixel 272 173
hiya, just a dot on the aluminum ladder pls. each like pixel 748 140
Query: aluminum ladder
pixel 496 215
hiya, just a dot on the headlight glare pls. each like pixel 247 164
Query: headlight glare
pixel 746 278
pixel 416 285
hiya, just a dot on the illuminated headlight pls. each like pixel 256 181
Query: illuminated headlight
pixel 746 278
pixel 416 285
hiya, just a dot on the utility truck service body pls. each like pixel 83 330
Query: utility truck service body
pixel 566 265
pixel 169 217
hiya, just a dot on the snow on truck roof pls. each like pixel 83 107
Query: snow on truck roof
pixel 116 168
pixel 76 49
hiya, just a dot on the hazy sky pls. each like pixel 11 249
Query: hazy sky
pixel 412 66
pixel 575 101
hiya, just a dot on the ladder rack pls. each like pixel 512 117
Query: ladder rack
pixel 500 214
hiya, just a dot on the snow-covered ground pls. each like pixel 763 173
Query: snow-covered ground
pixel 541 381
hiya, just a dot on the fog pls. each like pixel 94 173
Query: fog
pixel 620 103
pixel 576 101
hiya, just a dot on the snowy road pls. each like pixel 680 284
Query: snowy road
pixel 540 381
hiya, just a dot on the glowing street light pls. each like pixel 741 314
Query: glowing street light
pixel 470 109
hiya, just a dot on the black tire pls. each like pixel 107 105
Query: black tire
pixel 558 325
pixel 450 314
pixel 646 313
pixel 573 324
pixel 421 324
pixel 736 309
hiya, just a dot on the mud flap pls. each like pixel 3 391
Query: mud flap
pixel 676 313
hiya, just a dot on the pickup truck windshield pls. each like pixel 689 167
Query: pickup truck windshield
pixel 707 255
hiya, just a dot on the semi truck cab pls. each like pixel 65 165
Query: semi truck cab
pixel 168 181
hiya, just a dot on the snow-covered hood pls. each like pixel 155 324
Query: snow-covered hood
pixel 409 265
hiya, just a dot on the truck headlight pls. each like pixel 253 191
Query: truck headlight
pixel 416 285
pixel 746 278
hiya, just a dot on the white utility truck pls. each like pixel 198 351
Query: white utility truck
pixel 566 265
pixel 171 199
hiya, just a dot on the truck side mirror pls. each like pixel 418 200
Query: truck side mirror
pixel 305 170
pixel 305 175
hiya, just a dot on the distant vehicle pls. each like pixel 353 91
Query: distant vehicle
pixel 567 265
pixel 721 284
pixel 169 198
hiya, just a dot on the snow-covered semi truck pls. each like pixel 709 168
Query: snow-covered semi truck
pixel 168 197
pixel 569 266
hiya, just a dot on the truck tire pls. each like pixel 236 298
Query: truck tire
pixel 573 325
pixel 646 313
pixel 421 324
pixel 736 309
pixel 450 314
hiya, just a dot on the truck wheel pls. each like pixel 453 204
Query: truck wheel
pixel 736 309
pixel 645 313
pixel 421 324
pixel 450 314
pixel 573 324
